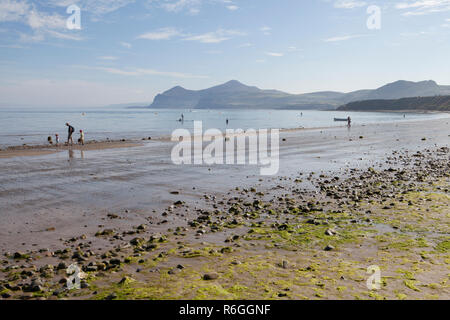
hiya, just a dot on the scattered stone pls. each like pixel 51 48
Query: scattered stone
pixel 112 296
pixel 126 280
pixel 210 276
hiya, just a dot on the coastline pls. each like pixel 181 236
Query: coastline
pixel 120 210
pixel 407 111
pixel 41 150
pixel 94 145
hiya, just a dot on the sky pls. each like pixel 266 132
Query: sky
pixel 125 51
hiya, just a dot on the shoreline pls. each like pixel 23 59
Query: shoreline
pixel 41 150
pixel 407 111
pixel 93 145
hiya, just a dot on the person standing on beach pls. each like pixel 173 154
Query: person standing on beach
pixel 57 139
pixel 81 140
pixel 349 121
pixel 71 130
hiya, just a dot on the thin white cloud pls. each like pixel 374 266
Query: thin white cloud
pixel 97 7
pixel 65 36
pixel 414 34
pixel 275 54
pixel 232 7
pixel 349 4
pixel 266 30
pixel 145 72
pixel 343 38
pixel 42 24
pixel 215 37
pixel 126 45
pixel 191 6
pixel 208 37
pixel 13 10
pixel 423 7
pixel 160 34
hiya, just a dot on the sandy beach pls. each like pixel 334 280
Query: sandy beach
pixel 39 150
pixel 141 227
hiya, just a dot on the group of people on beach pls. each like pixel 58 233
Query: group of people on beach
pixel 71 131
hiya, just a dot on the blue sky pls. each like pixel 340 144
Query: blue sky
pixel 128 51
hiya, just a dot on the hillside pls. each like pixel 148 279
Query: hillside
pixel 235 95
pixel 436 103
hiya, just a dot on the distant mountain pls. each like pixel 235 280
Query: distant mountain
pixel 235 95
pixel 435 103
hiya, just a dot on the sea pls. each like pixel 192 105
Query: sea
pixel 32 126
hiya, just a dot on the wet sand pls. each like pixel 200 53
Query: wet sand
pixel 40 150
pixel 49 201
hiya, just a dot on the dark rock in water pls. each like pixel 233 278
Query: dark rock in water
pixel 112 296
pixel 58 291
pixel 329 248
pixel 34 286
pixel 173 271
pixel 19 255
pixel 6 295
pixel 61 266
pixel 210 276
pixel 91 269
pixel 137 241
pixel 126 280
pixel 284 264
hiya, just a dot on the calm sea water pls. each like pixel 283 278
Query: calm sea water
pixel 30 126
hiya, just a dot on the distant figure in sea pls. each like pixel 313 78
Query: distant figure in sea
pixel 227 121
pixel 349 121
pixel 71 130
pixel 81 139
pixel 301 114
pixel 182 117
pixel 57 139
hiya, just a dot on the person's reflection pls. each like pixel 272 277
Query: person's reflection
pixel 82 154
pixel 70 154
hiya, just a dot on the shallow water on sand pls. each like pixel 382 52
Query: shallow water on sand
pixel 32 126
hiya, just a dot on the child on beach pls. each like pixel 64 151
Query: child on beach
pixel 56 139
pixel 81 140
